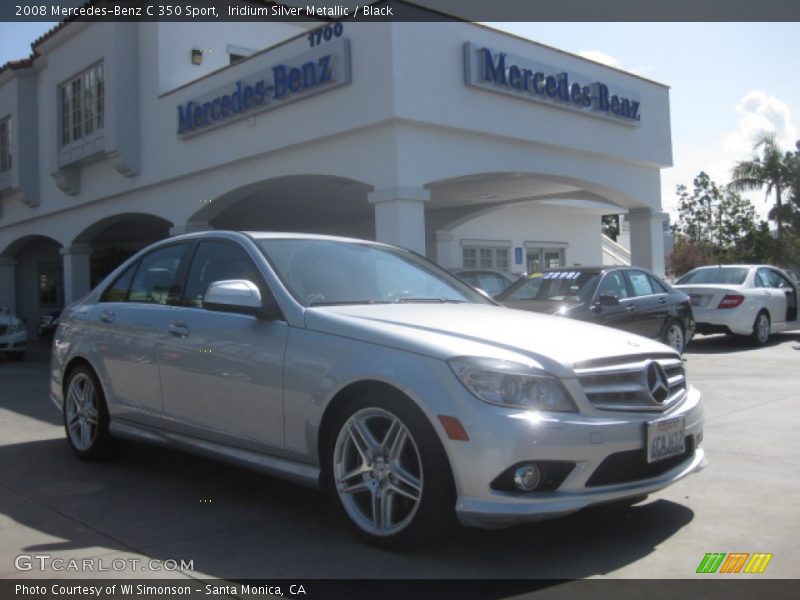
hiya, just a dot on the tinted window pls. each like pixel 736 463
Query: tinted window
pixel 658 287
pixel 573 286
pixel 779 280
pixel 640 282
pixel 725 275
pixel 118 291
pixel 217 261
pixel 155 281
pixel 613 284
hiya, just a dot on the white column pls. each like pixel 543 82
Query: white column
pixel 8 286
pixel 77 272
pixel 647 239
pixel 400 217
pixel 188 228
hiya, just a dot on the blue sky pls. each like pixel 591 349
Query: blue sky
pixel 729 81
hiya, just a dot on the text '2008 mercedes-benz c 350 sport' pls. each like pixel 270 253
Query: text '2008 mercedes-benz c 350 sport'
pixel 367 370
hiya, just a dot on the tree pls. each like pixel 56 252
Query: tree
pixel 712 218
pixel 771 170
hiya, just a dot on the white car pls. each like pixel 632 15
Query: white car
pixel 752 300
pixel 13 335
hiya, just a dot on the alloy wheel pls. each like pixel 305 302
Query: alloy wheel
pixel 377 472
pixel 81 411
pixel 674 337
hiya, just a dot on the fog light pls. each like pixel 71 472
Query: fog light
pixel 527 477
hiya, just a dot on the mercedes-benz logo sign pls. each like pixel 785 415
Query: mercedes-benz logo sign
pixel 657 382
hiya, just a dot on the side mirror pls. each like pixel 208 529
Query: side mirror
pixel 608 300
pixel 237 296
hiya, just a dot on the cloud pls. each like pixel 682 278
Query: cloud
pixel 759 113
pixel 601 57
pixel 607 59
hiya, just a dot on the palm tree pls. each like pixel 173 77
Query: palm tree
pixel 770 169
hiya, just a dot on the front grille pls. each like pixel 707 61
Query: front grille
pixel 646 384
pixel 632 465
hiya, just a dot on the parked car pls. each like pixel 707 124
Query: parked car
pixel 13 336
pixel 48 324
pixel 491 282
pixel 752 300
pixel 370 371
pixel 628 298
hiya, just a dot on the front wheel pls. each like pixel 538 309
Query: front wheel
pixel 761 330
pixel 86 416
pixel 389 473
pixel 674 336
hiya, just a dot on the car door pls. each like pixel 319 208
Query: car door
pixel 128 324
pixel 650 301
pixel 774 297
pixel 221 372
pixel 789 290
pixel 619 315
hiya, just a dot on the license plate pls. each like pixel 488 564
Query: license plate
pixel 699 299
pixel 665 438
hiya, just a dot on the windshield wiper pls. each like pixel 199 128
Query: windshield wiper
pixel 347 302
pixel 429 301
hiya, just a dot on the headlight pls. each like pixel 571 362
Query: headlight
pixel 13 328
pixel 511 384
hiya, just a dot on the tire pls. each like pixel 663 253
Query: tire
pixel 388 471
pixel 86 417
pixel 674 336
pixel 761 329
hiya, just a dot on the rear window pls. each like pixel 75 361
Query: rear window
pixel 724 275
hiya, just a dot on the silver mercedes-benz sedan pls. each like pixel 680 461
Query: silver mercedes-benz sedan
pixel 368 370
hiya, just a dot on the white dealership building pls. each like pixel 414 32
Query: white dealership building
pixel 473 146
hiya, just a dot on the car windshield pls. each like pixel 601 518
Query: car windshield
pixel 554 286
pixel 724 275
pixel 322 272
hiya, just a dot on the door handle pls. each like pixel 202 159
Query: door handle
pixel 178 330
pixel 107 316
pixel 630 308
pixel 662 300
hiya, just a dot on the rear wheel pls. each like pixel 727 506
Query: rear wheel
pixel 86 416
pixel 674 336
pixel 388 471
pixel 761 329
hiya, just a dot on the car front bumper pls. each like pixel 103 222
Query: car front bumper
pixel 501 438
pixel 14 342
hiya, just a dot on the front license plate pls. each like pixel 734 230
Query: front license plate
pixel 665 438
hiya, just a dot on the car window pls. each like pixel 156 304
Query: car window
pixel 155 281
pixel 658 287
pixel 557 286
pixel 780 281
pixel 725 275
pixel 217 261
pixel 613 284
pixel 640 282
pixel 118 291
pixel 490 283
pixel 768 278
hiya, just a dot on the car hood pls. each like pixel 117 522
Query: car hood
pixel 448 330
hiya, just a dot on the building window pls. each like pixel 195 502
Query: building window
pixel 50 284
pixel 544 258
pixel 5 145
pixel 82 102
pixel 491 257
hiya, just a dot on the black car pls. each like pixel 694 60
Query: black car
pixel 628 298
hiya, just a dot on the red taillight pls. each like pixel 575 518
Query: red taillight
pixel 731 301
